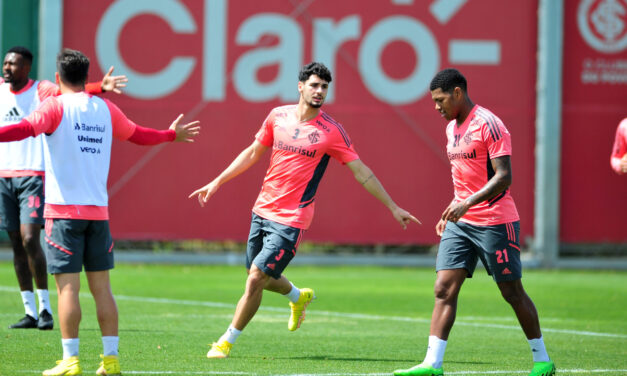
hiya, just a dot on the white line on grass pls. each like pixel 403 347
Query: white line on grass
pixel 362 316
pixel 499 372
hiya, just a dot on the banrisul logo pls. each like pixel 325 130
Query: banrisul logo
pixel 13 115
pixel 602 23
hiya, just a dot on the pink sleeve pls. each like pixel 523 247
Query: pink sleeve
pixel 496 137
pixel 149 136
pixel 47 117
pixel 342 147
pixel 620 146
pixel 265 135
pixel 47 89
pixel 123 128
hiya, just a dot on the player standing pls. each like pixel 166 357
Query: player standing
pixel 79 131
pixel 618 160
pixel 303 139
pixel 480 222
pixel 21 181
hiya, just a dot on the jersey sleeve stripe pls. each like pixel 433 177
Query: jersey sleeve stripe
pixel 492 122
pixel 339 128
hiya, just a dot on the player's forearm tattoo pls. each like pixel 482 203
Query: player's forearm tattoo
pixel 368 178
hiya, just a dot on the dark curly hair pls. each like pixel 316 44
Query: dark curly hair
pixel 316 68
pixel 447 80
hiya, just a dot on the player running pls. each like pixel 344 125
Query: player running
pixel 303 139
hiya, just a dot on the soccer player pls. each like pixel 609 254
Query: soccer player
pixel 79 129
pixel 21 181
pixel 480 222
pixel 303 138
pixel 618 159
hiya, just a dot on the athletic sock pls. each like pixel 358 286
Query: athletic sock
pixel 294 294
pixel 30 304
pixel 70 347
pixel 230 335
pixel 44 301
pixel 538 350
pixel 435 352
pixel 110 345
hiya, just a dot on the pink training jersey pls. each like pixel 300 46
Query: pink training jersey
pixel 300 155
pixel 470 148
pixel 620 146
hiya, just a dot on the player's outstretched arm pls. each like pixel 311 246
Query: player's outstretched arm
pixel 241 163
pixel 113 83
pixel 185 132
pixel 366 177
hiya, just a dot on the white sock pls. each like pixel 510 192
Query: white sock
pixel 110 345
pixel 435 352
pixel 44 301
pixel 231 334
pixel 30 304
pixel 294 294
pixel 70 347
pixel 538 350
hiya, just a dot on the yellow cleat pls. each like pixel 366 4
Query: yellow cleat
pixel 65 367
pixel 110 366
pixel 220 350
pixel 298 309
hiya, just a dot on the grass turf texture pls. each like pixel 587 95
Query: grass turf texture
pixel 366 320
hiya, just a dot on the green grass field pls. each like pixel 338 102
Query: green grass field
pixel 365 321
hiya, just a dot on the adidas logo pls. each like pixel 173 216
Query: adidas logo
pixel 13 115
pixel 506 271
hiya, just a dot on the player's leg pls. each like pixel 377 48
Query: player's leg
pixel 456 261
pixel 69 314
pixel 31 202
pixel 280 243
pixel 65 244
pixel 37 263
pixel 10 222
pixel 501 255
pixel 98 262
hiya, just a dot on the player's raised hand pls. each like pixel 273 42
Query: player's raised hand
pixel 205 193
pixel 185 132
pixel 404 217
pixel 113 83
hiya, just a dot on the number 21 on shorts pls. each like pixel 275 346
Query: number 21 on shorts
pixel 501 256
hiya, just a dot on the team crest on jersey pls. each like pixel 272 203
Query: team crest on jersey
pixel 468 138
pixel 314 137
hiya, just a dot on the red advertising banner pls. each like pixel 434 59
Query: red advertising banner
pixel 593 197
pixel 228 63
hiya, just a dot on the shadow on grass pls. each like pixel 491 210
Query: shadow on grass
pixel 335 358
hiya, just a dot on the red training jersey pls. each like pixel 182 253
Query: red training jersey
pixel 300 155
pixel 470 148
pixel 619 150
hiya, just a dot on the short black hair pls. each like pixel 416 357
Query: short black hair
pixel 72 66
pixel 23 51
pixel 447 80
pixel 316 68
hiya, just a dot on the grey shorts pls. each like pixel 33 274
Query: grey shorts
pixel 462 244
pixel 271 245
pixel 72 243
pixel 21 202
